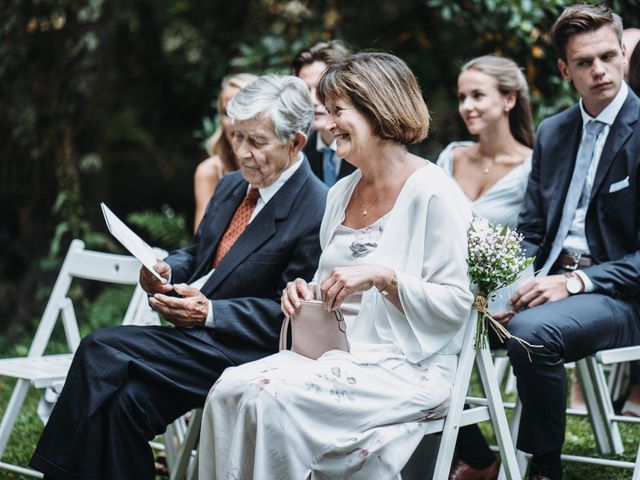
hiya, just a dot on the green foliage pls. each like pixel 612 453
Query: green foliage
pixel 166 229
pixel 270 54
pixel 104 100
pixel 105 310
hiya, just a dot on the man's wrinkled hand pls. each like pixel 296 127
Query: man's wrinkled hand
pixel 150 283
pixel 540 291
pixel 189 311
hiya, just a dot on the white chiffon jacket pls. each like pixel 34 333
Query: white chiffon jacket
pixel 425 242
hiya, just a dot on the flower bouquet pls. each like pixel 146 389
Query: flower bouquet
pixel 495 260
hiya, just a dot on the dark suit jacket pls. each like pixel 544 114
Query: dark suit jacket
pixel 315 159
pixel 280 244
pixel 611 226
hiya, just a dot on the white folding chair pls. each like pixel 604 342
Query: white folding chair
pixel 604 421
pixel 180 445
pixel 492 408
pixel 44 371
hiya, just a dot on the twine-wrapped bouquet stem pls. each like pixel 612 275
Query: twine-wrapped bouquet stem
pixel 486 320
pixel 495 260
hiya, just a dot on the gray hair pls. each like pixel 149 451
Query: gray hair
pixel 283 99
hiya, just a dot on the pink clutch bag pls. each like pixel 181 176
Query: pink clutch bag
pixel 315 331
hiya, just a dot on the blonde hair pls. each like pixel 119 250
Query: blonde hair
pixel 509 79
pixel 217 144
pixel 384 89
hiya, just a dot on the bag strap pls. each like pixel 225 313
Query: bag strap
pixel 283 334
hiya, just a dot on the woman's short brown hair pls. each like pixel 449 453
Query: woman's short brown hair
pixel 384 89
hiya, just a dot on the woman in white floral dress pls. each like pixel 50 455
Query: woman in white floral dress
pixel 394 249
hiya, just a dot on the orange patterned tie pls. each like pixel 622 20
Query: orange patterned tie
pixel 237 225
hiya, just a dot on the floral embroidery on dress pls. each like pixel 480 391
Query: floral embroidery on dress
pixel 342 394
pixel 435 412
pixel 366 239
pixel 313 387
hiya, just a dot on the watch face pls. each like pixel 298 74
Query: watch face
pixel 573 285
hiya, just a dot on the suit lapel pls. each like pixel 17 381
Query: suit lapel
pixel 261 228
pixel 313 156
pixel 620 132
pixel 563 154
pixel 218 224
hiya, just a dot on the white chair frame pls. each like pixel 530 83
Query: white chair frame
pixel 604 421
pixel 180 445
pixel 457 416
pixel 40 370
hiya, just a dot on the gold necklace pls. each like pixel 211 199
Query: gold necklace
pixel 486 170
pixel 365 207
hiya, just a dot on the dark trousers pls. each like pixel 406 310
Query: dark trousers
pixel 125 385
pixel 569 330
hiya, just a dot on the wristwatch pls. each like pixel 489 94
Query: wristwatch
pixel 574 284
pixel 391 287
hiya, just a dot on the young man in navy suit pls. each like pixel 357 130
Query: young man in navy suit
pixel 581 221
pixel 260 231
pixel 309 64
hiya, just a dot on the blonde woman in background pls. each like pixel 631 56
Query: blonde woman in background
pixel 493 101
pixel 221 158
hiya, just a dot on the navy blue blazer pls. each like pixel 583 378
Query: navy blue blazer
pixel 315 159
pixel 280 244
pixel 612 223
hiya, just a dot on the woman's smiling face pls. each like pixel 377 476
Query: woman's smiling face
pixel 480 103
pixel 351 128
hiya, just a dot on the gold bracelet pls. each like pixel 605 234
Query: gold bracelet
pixel 391 287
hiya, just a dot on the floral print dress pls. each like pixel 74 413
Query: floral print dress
pixel 353 415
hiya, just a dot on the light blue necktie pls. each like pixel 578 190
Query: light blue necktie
pixel 583 162
pixel 328 167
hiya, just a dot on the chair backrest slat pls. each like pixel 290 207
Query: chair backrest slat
pixel 104 267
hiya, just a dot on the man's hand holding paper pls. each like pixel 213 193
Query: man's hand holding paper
pixel 151 283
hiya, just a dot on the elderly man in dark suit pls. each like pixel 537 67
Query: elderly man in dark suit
pixel 309 64
pixel 581 221
pixel 260 231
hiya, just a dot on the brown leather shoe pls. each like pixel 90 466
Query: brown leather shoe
pixel 463 471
